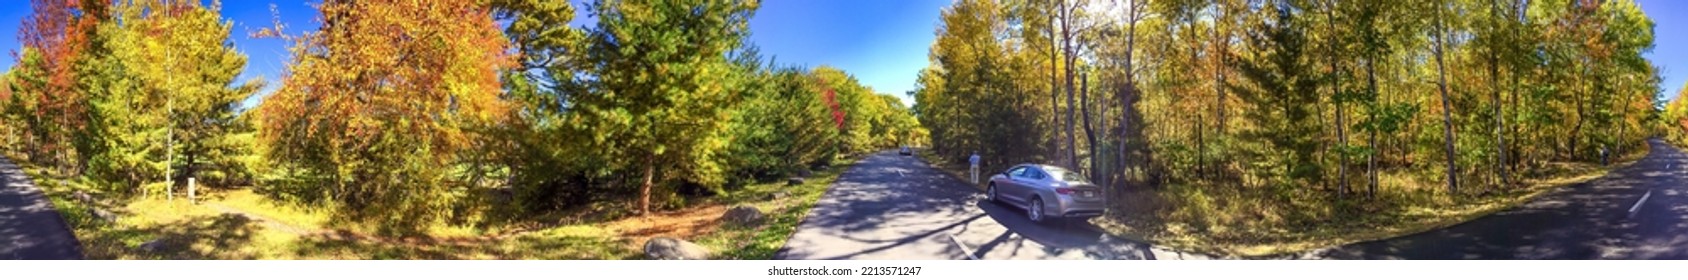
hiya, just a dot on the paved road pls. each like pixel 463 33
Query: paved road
pixel 891 207
pixel 29 227
pixel 895 207
pixel 1591 220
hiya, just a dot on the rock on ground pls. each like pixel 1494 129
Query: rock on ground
pixel 744 216
pixel 668 248
pixel 777 195
pixel 153 246
pixel 103 215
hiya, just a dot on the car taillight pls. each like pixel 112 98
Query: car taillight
pixel 1063 191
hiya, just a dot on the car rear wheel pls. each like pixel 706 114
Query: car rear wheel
pixel 1034 211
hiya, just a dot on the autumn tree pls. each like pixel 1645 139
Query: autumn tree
pixel 380 104
pixel 10 110
pixel 856 128
pixel 1674 118
pixel 969 97
pixel 23 99
pixel 61 32
pixel 591 105
pixel 782 126
pixel 152 46
pixel 1263 110
pixel 129 155
pixel 658 91
pixel 900 124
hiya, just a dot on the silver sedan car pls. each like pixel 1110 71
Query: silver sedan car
pixel 1046 191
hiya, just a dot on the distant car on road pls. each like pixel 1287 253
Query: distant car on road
pixel 906 151
pixel 1046 191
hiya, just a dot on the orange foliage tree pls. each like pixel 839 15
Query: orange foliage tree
pixel 379 105
pixel 60 31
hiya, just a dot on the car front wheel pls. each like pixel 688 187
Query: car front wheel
pixel 990 193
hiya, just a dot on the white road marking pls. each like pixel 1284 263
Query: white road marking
pixel 964 249
pixel 1638 203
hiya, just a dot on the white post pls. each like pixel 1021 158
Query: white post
pixel 169 135
pixel 191 192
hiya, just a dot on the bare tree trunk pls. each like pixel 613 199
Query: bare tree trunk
pixel 1517 80
pixel 1054 88
pixel 1516 150
pixel 1576 130
pixel 1447 119
pixel 1089 132
pixel 1105 169
pixel 1623 127
pixel 1222 42
pixel 1341 123
pixel 1494 94
pixel 1371 158
pixel 1130 88
pixel 645 188
pixel 188 160
pixel 1201 146
pixel 1067 52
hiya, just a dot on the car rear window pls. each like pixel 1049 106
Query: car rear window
pixel 1068 176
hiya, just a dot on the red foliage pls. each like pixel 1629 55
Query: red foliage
pixel 60 30
pixel 832 101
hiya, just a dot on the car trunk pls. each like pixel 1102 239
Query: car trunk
pixel 1086 192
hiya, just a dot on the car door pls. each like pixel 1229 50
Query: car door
pixel 1032 183
pixel 1011 187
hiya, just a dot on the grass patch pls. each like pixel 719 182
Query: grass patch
pixel 1262 221
pixel 241 224
pixel 1240 222
pixel 784 207
pixel 783 214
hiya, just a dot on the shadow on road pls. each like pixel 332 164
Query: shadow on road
pixel 886 206
pixel 907 240
pixel 30 228
pixel 896 207
pixel 1058 236
pixel 868 190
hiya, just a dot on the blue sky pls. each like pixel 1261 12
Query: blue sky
pixel 1670 48
pixel 881 42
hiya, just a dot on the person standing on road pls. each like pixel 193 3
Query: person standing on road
pixel 973 166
